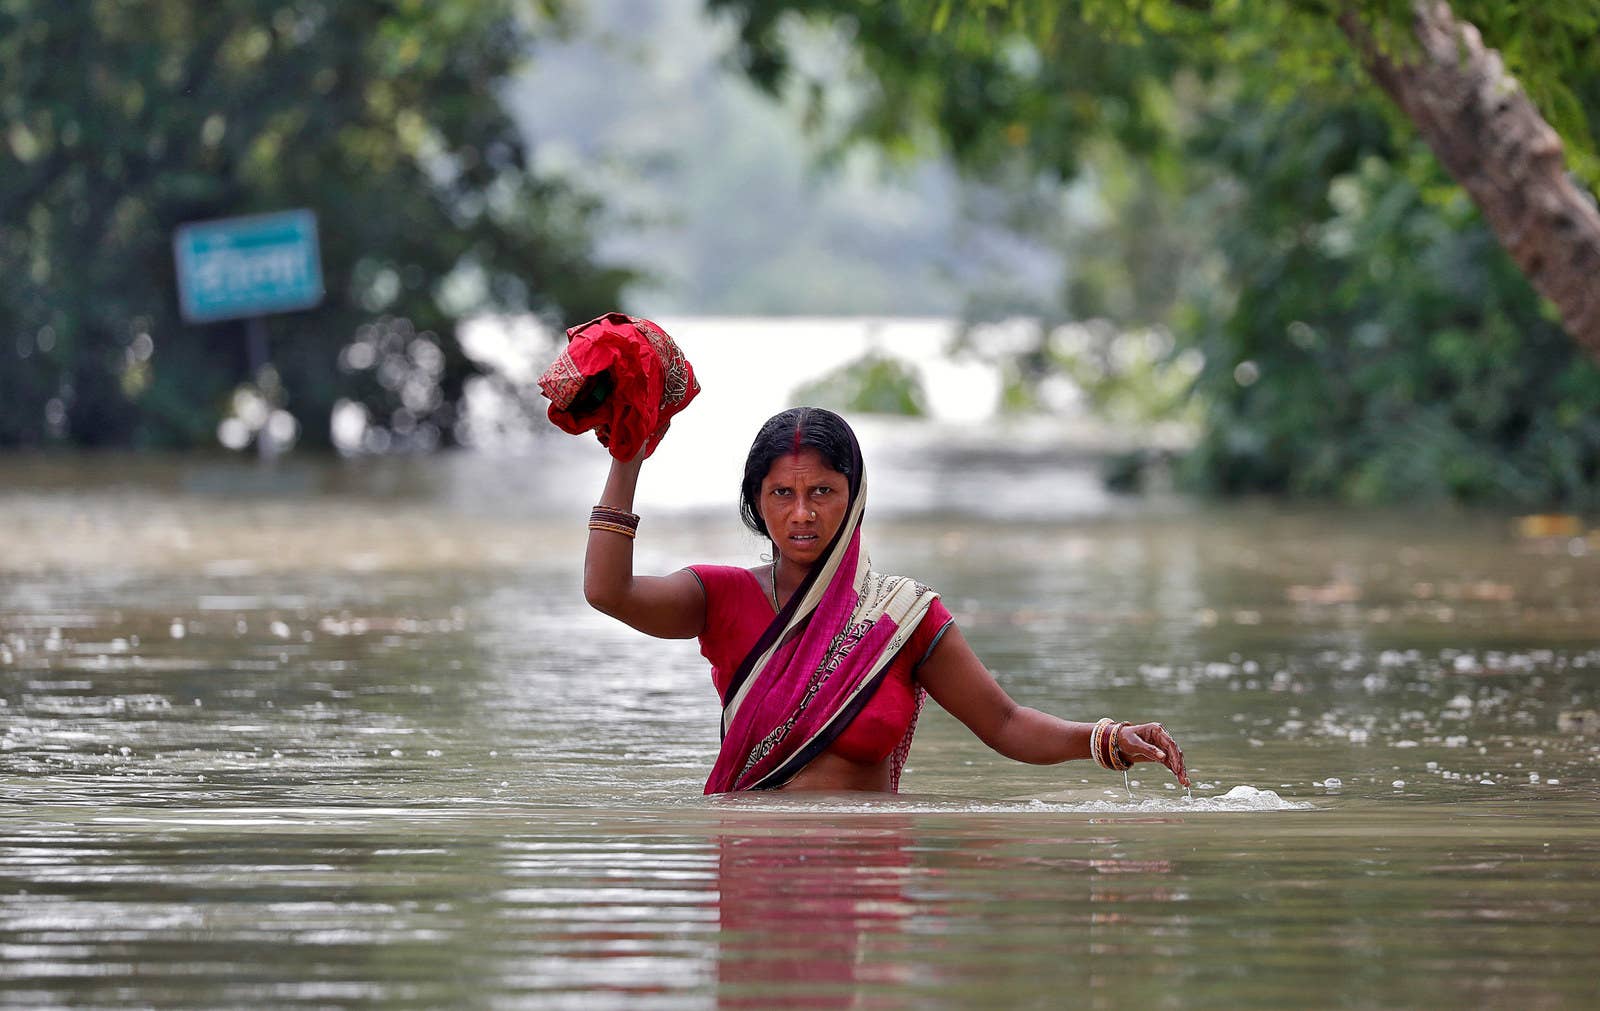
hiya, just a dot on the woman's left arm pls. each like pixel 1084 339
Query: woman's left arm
pixel 963 686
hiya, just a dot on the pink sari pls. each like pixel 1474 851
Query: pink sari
pixel 816 666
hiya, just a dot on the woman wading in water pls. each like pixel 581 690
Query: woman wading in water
pixel 821 663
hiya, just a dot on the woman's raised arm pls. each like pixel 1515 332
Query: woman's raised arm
pixel 668 607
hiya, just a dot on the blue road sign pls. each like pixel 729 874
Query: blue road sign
pixel 251 266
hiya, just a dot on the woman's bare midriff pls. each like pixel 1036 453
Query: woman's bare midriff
pixel 830 772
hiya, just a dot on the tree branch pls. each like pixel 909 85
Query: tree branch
pixel 1488 135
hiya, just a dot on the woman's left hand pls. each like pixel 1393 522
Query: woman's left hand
pixel 1150 742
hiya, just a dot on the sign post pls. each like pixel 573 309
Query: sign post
pixel 236 268
pixel 247 268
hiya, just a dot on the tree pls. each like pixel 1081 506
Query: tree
pixel 1371 342
pixel 1363 335
pixel 1040 75
pixel 120 120
pixel 1489 136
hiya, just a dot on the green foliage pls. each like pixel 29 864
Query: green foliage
pixel 121 120
pixel 1129 377
pixel 1363 335
pixel 1549 46
pixel 990 80
pixel 1042 75
pixel 1373 342
pixel 872 384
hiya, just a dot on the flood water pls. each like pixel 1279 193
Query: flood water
pixel 345 734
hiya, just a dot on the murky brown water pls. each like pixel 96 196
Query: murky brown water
pixel 338 735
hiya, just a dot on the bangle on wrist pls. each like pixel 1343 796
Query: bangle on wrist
pixel 1097 743
pixel 1119 761
pixel 617 521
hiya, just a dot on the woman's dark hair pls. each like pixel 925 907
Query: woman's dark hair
pixel 789 432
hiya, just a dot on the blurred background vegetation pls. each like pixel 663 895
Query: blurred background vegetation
pixel 123 120
pixel 1209 214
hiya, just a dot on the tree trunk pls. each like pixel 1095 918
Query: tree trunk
pixel 1488 135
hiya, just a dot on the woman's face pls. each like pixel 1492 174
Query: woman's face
pixel 803 501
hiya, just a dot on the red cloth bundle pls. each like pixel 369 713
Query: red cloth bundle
pixel 623 377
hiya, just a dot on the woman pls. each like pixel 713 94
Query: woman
pixel 822 664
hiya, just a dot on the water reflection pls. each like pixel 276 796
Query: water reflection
pixel 886 909
pixel 802 911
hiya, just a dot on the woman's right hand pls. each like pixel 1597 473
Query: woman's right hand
pixel 1150 742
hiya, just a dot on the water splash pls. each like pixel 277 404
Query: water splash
pixel 1238 799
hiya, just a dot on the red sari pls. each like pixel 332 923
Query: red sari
pixel 622 377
